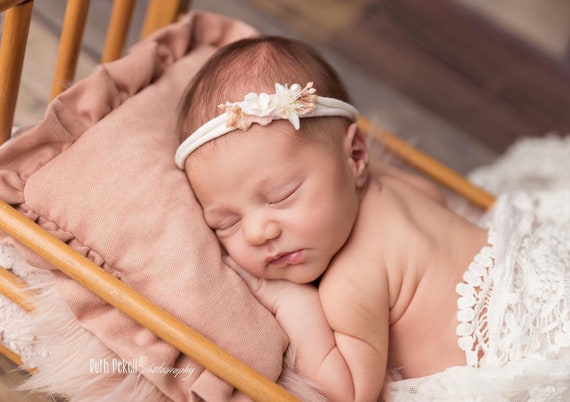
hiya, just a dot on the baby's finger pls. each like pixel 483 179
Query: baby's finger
pixel 262 289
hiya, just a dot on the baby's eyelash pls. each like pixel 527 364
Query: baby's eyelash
pixel 285 196
pixel 223 225
pixel 226 226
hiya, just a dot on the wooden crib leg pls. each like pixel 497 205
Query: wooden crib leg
pixel 12 51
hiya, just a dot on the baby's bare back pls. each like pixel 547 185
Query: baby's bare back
pixel 406 241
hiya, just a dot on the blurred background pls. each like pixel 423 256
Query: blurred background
pixel 460 79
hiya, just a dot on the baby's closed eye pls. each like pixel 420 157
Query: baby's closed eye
pixel 284 195
pixel 221 226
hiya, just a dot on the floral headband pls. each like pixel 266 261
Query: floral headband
pixel 290 103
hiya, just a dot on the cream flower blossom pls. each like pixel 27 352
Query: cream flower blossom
pixel 286 103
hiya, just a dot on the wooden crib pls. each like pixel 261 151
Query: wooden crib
pixel 17 17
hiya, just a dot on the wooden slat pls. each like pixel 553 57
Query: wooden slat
pixel 12 52
pixel 16 359
pixel 119 24
pixel 428 165
pixel 16 290
pixel 70 44
pixel 162 12
pixel 11 355
pixel 116 293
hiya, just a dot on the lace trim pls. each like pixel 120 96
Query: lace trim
pixel 474 295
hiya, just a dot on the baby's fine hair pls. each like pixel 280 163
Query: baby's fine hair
pixel 254 65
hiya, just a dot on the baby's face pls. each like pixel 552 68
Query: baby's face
pixel 281 205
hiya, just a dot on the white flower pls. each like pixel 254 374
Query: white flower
pixel 257 105
pixel 287 103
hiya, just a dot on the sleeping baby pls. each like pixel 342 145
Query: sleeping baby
pixel 382 290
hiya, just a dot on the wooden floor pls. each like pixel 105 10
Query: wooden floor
pixel 380 89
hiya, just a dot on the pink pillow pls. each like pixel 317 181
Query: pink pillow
pixel 98 172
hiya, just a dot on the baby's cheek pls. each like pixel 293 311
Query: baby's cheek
pixel 242 256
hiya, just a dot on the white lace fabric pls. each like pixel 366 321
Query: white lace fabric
pixel 473 304
pixel 532 304
pixel 513 312
pixel 514 301
pixel 520 308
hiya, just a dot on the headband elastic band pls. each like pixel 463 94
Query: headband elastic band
pixel 289 103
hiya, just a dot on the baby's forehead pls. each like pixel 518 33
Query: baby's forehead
pixel 236 158
pixel 270 136
pixel 278 138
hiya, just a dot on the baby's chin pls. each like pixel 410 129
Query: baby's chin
pixel 304 275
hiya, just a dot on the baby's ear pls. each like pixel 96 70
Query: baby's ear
pixel 356 151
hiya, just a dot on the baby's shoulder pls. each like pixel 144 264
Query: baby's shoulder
pixel 358 271
pixel 354 295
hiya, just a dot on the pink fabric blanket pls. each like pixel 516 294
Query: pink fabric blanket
pixel 98 173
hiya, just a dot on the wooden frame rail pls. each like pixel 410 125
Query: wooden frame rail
pixel 428 165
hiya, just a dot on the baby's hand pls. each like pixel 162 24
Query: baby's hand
pixel 298 310
pixel 272 293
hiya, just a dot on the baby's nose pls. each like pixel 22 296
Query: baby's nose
pixel 259 231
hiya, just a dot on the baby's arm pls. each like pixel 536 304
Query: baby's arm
pixel 343 367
